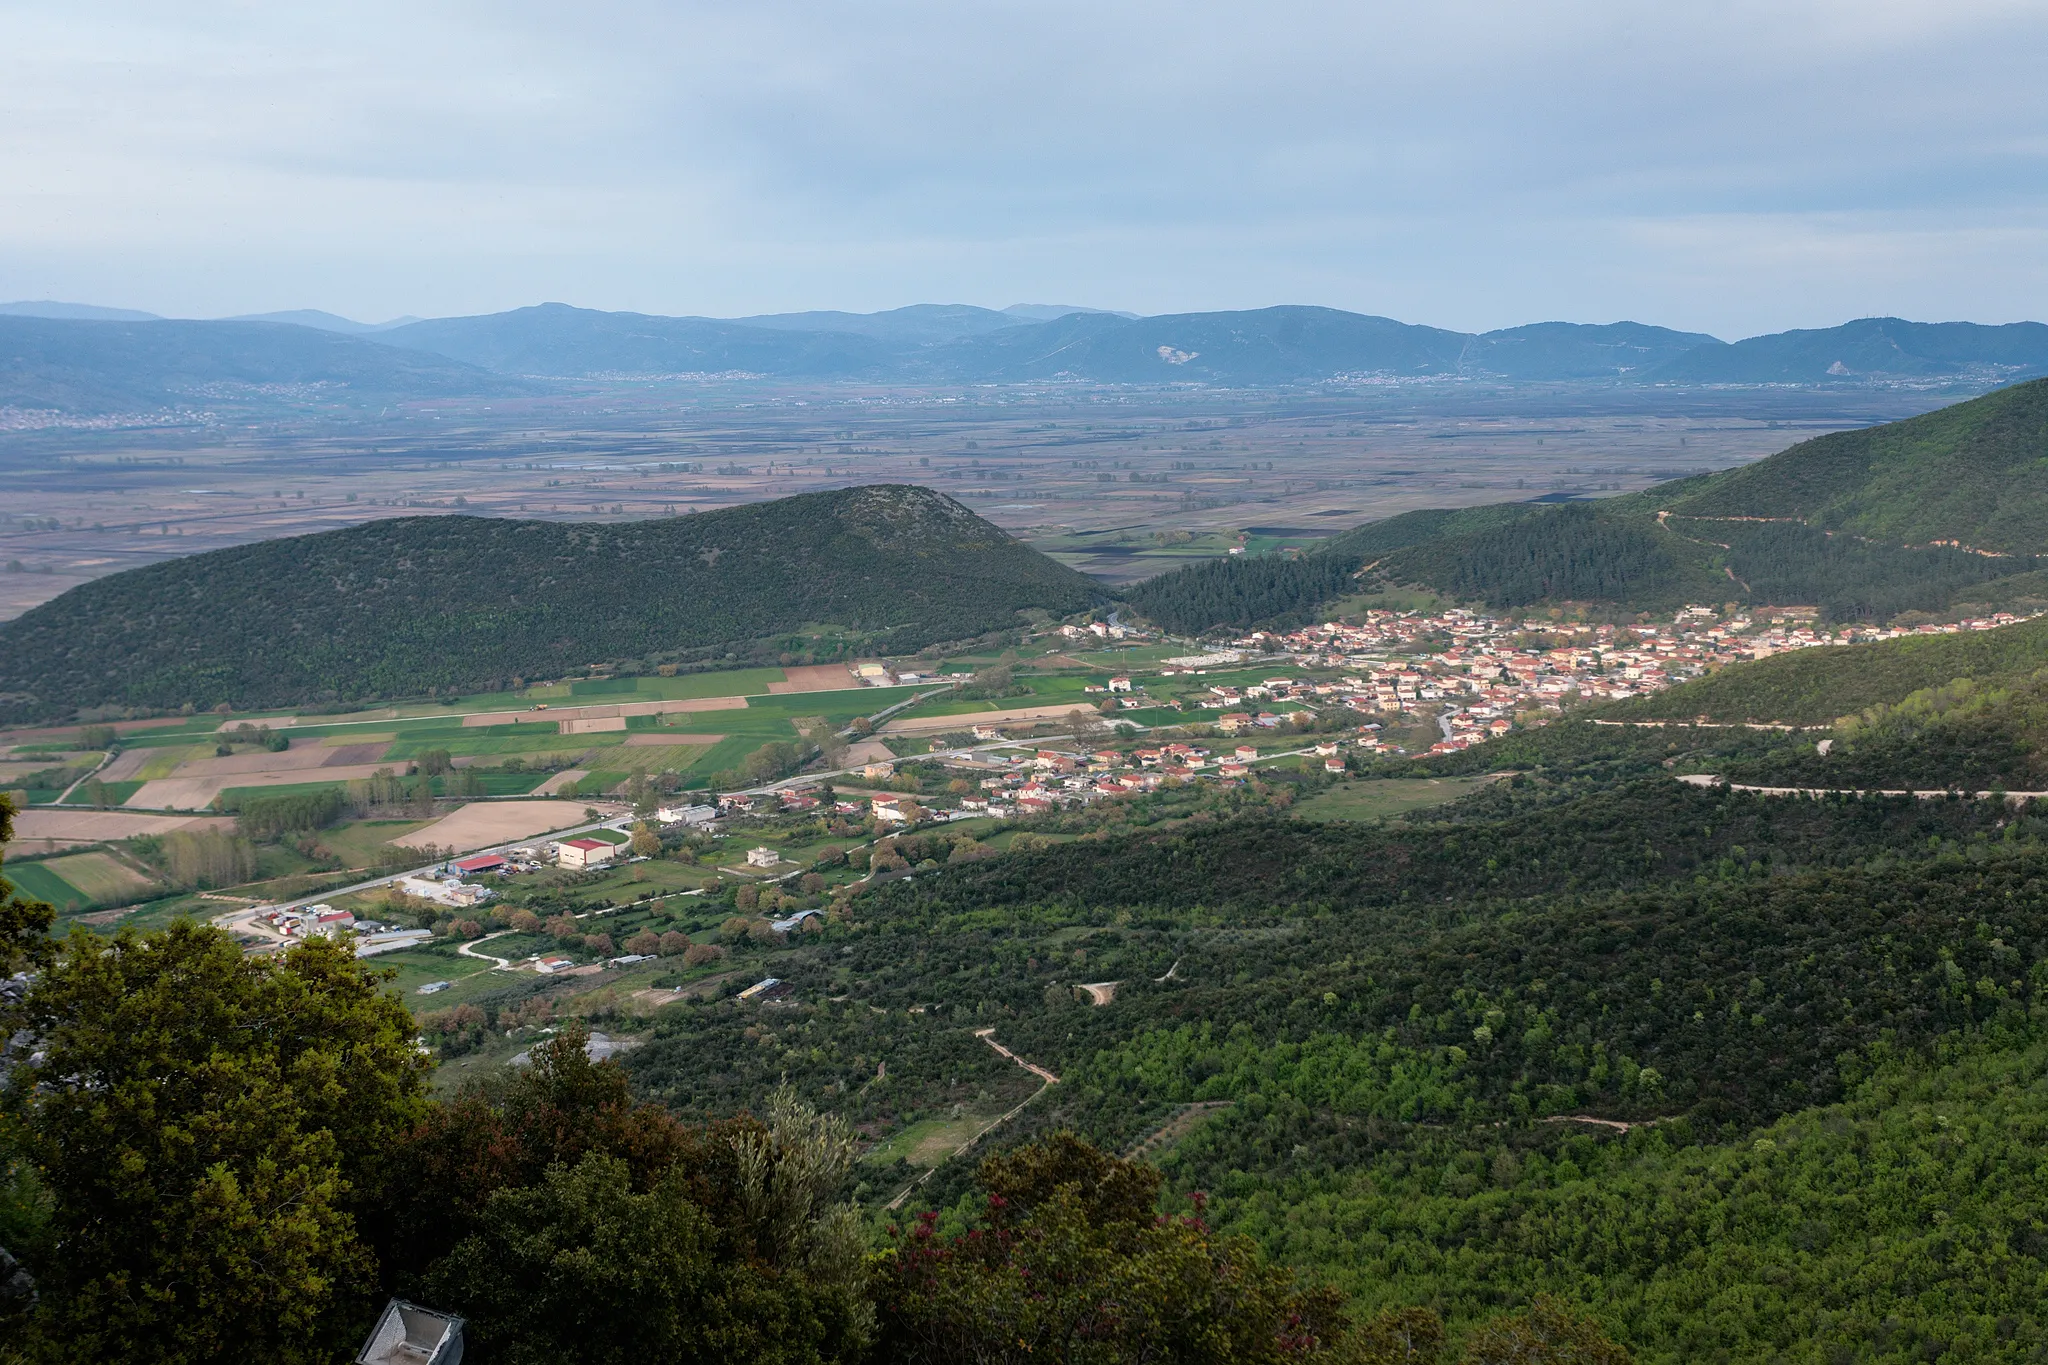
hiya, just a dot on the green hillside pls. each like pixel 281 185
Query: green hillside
pixel 1815 686
pixel 1687 1073
pixel 1976 473
pixel 1859 524
pixel 1389 1032
pixel 415 605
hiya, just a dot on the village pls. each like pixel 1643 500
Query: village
pixel 611 801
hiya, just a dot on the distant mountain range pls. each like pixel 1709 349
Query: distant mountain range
pixel 117 367
pixel 102 365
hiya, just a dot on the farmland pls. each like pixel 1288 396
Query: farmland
pixel 1119 483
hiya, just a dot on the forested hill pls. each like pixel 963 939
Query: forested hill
pixel 1976 473
pixel 1818 686
pixel 1929 514
pixel 398 607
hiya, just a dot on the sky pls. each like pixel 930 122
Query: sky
pixel 1730 167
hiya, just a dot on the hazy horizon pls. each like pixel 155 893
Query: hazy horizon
pixel 1749 170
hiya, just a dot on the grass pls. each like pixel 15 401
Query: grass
pixel 101 877
pixel 359 842
pixel 233 798
pixel 417 966
pixel 1380 798
pixel 168 760
pixel 738 682
pixel 926 1143
pixel 116 793
pixel 636 881
pixel 39 881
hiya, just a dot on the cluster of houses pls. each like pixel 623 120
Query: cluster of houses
pixel 297 925
pixel 308 921
pixel 1489 676
pixel 449 891
pixel 1100 630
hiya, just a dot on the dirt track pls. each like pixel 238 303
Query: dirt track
pixel 927 725
pixel 815 678
pixel 556 715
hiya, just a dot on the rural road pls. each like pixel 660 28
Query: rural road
pixel 1929 794
pixel 245 918
pixel 469 950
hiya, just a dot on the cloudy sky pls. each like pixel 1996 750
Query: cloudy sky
pixel 1731 166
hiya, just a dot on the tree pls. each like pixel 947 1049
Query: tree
pixel 24 923
pixel 644 797
pixel 645 943
pixel 673 942
pixel 1399 1336
pixel 646 843
pixel 1548 1332
pixel 1071 1263
pixel 207 1127
pixel 708 1243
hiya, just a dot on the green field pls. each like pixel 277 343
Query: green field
pixel 926 1143
pixel 737 682
pixel 417 966
pixel 1379 798
pixel 81 881
pixel 115 793
pixel 101 877
pixel 37 880
pixel 234 798
pixel 767 718
pixel 358 842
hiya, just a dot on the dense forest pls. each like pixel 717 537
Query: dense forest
pixel 1760 1005
pixel 413 605
pixel 1971 473
pixel 1593 1063
pixel 1265 590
